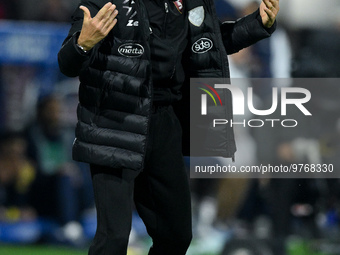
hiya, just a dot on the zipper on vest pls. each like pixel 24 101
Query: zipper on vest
pixel 166 9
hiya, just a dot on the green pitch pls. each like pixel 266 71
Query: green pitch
pixel 38 250
pixel 52 250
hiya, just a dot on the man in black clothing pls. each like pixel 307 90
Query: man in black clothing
pixel 133 57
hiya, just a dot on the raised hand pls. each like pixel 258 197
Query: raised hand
pixel 268 11
pixel 97 28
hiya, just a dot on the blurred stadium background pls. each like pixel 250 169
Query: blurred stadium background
pixel 46 201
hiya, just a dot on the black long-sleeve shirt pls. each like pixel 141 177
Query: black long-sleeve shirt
pixel 168 40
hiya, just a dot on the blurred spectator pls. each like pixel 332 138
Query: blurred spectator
pixel 19 90
pixel 17 174
pixel 54 11
pixel 225 11
pixel 46 10
pixel 303 13
pixel 315 14
pixel 8 9
pixel 317 53
pixel 267 58
pixel 29 9
pixel 59 188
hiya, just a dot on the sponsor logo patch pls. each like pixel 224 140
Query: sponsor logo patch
pixel 196 16
pixel 179 5
pixel 131 50
pixel 202 45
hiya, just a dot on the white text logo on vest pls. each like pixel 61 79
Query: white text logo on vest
pixel 202 45
pixel 131 50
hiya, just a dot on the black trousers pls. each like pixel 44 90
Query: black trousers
pixel 160 193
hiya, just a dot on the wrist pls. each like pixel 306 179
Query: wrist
pixel 81 48
pixel 270 29
pixel 82 45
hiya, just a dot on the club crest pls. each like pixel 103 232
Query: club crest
pixel 179 5
pixel 196 16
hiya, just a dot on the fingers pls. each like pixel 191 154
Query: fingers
pixel 268 11
pixel 275 3
pixel 87 14
pixel 107 16
pixel 271 14
pixel 272 6
pixel 109 12
pixel 109 7
pixel 110 15
pixel 97 28
pixel 111 25
pixel 268 4
pixel 111 18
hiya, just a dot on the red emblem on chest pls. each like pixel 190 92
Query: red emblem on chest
pixel 179 5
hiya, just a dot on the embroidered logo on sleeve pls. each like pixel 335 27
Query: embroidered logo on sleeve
pixel 179 5
pixel 196 16
pixel 131 12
